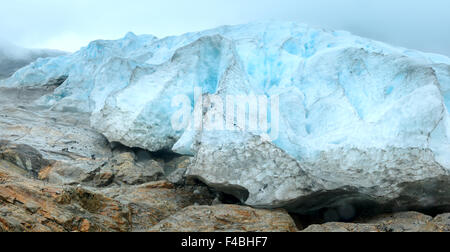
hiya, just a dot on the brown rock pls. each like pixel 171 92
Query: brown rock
pixel 401 222
pixel 103 179
pixel 342 228
pixel 33 206
pixel 440 223
pixel 155 201
pixel 123 168
pixel 226 218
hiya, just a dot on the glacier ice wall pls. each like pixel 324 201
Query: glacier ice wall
pixel 348 79
pixel 346 103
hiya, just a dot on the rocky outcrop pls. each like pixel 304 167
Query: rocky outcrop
pixel 32 206
pixel 226 218
pixel 24 156
pixel 123 168
pixel 153 202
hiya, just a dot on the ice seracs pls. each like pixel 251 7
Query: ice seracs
pixel 355 115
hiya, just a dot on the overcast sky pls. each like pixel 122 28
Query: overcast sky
pixel 71 24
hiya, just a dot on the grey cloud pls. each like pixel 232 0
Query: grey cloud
pixel 416 24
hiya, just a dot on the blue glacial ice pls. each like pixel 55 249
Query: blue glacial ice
pixel 338 92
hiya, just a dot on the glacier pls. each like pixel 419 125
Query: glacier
pixel 356 115
pixel 13 57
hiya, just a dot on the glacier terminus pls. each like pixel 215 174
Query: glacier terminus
pixel 357 121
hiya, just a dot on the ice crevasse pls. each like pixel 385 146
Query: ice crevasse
pixel 359 120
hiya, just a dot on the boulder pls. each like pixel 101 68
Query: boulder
pixel 226 218
pixel 124 168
